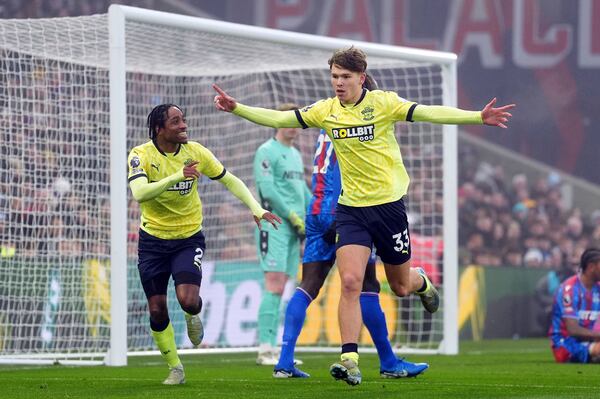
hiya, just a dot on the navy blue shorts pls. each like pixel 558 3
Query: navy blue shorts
pixel 316 247
pixel 160 259
pixel 384 226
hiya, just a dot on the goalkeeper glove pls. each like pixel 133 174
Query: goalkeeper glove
pixel 298 224
pixel 329 234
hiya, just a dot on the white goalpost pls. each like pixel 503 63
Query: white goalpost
pixel 74 96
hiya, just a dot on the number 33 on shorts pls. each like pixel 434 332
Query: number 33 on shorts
pixel 402 242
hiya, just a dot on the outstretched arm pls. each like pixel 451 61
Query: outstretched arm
pixel 262 116
pixel 449 115
pixel 496 116
pixel 240 190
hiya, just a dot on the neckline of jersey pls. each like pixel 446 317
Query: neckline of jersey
pixel 164 153
pixel 362 96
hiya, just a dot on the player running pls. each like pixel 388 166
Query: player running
pixel 370 211
pixel 319 257
pixel 163 177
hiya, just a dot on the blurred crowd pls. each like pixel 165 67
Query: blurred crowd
pixel 511 221
pixel 54 189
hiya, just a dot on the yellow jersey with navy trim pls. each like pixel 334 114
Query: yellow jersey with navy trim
pixel 177 212
pixel 365 144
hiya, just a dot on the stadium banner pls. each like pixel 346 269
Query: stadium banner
pixel 494 302
pixel 500 302
pixel 231 302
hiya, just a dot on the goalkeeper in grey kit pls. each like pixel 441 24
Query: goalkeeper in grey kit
pixel 282 189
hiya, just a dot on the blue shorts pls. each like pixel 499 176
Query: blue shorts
pixel 316 249
pixel 384 226
pixel 159 259
pixel 571 350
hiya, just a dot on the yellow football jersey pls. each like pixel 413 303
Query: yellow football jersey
pixel 177 212
pixel 363 139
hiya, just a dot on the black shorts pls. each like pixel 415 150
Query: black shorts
pixel 159 259
pixel 384 226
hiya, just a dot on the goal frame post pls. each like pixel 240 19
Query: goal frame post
pixel 118 15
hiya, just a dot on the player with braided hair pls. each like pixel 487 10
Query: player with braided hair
pixel 163 177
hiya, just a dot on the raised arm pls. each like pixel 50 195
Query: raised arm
pixel 496 116
pixel 449 115
pixel 261 116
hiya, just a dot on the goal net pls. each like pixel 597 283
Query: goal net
pixel 74 96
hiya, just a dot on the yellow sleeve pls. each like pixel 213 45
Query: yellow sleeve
pixel 399 108
pixel 241 191
pixel 267 117
pixel 446 115
pixel 136 164
pixel 313 115
pixel 208 164
pixel 144 191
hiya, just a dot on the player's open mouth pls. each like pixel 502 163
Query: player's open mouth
pixel 183 135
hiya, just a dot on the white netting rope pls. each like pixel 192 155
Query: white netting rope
pixel 54 105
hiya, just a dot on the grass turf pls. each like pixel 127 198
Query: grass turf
pixel 488 369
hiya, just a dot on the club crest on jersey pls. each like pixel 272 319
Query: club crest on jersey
pixel 188 161
pixel 367 113
pixel 184 187
pixel 363 133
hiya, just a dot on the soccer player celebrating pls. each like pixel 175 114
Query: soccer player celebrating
pixel 163 177
pixel 319 257
pixel 370 208
pixel 575 328
pixel 279 176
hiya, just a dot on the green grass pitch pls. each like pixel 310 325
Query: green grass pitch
pixel 488 369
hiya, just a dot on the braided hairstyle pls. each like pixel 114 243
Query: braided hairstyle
pixel 157 118
pixel 590 255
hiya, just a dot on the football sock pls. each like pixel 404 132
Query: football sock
pixel 165 340
pixel 423 287
pixel 268 318
pixel 374 320
pixel 294 320
pixel 350 355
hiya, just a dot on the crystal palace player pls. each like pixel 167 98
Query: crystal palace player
pixel 575 328
pixel 370 208
pixel 319 257
pixel 163 177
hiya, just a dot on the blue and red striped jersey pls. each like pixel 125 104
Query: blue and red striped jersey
pixel 326 181
pixel 574 301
